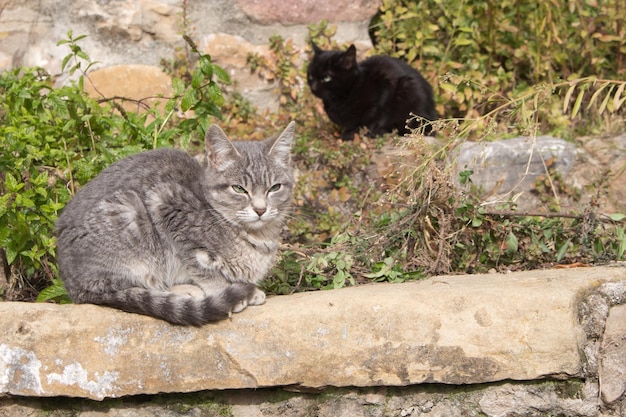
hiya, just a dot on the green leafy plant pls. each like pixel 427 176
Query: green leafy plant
pixel 37 123
pixel 479 56
pixel 55 139
pixel 203 96
pixel 55 292
pixel 608 95
pixel 331 269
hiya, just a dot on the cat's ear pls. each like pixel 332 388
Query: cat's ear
pixel 348 58
pixel 281 147
pixel 316 49
pixel 220 152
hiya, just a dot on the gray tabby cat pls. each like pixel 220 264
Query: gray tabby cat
pixel 159 233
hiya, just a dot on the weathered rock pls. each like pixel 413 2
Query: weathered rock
pixel 513 165
pixel 144 32
pixel 612 369
pixel 307 12
pixel 523 400
pixel 143 83
pixel 231 52
pixel 603 158
pixel 118 32
pixel 453 330
pixel 562 398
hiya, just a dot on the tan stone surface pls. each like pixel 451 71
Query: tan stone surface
pixel 142 83
pixel 307 12
pixel 455 330
pixel 603 158
pixel 231 53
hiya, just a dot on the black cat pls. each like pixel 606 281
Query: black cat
pixel 379 93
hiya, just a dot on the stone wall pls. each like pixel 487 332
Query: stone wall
pixel 523 344
pixel 142 32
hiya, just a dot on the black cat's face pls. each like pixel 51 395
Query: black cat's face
pixel 331 72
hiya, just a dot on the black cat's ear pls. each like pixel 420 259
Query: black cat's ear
pixel 220 152
pixel 280 150
pixel 316 49
pixel 348 58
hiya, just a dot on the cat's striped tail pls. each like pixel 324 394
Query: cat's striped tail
pixel 178 308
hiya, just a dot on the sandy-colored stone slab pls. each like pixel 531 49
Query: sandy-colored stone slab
pixel 147 85
pixel 455 330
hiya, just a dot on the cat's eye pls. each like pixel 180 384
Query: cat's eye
pixel 239 189
pixel 275 187
pixel 327 79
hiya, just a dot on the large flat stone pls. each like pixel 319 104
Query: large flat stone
pixel 453 329
pixel 148 85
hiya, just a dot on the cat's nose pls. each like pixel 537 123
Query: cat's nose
pixel 260 211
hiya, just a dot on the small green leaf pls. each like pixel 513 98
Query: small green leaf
pixel 606 100
pixel 221 74
pixel 206 67
pixel 215 94
pixel 24 201
pixel 465 176
pixel 65 61
pixel 512 244
pixel 11 254
pixel 384 266
pixel 448 87
pixel 74 68
pixel 462 42
pixel 577 104
pixel 616 98
pixel 621 243
pixel 12 184
pixel 79 37
pixel 568 96
pixel 340 264
pixel 339 280
pixel 178 86
pixel 189 100
pixel 596 94
pixel 82 55
pixel 617 217
pixel 563 250
pixel 56 292
pixel 196 80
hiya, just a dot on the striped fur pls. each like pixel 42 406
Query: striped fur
pixel 160 220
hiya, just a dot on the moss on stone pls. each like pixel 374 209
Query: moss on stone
pixel 208 403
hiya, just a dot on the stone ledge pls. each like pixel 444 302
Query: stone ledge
pixel 449 329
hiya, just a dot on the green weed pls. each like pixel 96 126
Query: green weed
pixel 56 139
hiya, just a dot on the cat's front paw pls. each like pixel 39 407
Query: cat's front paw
pixel 256 299
pixel 240 306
